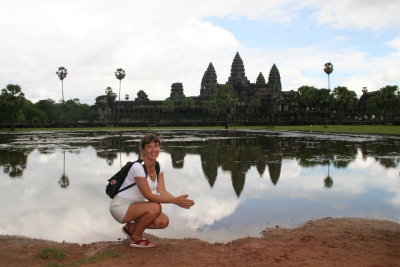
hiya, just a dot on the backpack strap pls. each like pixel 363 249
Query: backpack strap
pixel 157 167
pixel 143 165
pixel 131 185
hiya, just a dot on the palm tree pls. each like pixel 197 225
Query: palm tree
pixel 64 180
pixel 328 70
pixel 109 91
pixel 62 74
pixel 119 74
pixel 328 181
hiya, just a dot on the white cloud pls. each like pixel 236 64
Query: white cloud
pixel 377 71
pixel 153 42
pixel 353 67
pixel 158 43
pixel 53 211
pixel 370 14
pixel 395 43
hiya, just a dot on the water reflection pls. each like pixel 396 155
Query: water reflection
pixel 238 155
pixel 13 162
pixel 64 180
pixel 328 181
pixel 243 181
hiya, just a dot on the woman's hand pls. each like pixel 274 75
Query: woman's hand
pixel 183 201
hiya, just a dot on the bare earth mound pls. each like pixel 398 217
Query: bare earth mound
pixel 325 242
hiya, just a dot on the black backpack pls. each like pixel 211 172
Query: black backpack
pixel 115 182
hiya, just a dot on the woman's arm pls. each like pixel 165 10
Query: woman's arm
pixel 182 201
pixel 161 186
pixel 165 196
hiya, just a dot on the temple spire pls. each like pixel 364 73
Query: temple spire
pixel 238 77
pixel 209 81
pixel 260 80
pixel 274 80
pixel 177 92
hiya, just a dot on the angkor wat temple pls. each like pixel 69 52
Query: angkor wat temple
pixel 274 105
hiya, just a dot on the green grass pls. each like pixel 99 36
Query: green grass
pixel 51 253
pixel 108 253
pixel 361 129
pixel 364 129
pixel 53 264
pixel 106 129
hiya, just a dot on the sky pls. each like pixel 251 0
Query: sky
pixel 160 42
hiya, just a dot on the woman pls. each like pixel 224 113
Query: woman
pixel 139 207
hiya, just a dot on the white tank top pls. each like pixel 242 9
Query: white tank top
pixel 134 193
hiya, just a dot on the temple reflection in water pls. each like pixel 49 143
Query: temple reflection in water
pixel 242 181
pixel 234 152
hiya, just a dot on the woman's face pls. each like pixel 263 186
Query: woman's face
pixel 151 150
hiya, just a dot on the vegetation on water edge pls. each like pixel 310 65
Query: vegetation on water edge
pixel 225 105
pixel 357 129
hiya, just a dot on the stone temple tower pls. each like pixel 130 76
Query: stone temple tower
pixel 209 82
pixel 238 77
pixel 261 86
pixel 177 92
pixel 260 80
pixel 274 80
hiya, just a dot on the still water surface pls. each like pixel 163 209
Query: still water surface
pixel 52 184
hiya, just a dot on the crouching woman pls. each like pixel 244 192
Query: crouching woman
pixel 139 207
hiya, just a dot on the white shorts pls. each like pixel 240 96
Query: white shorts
pixel 119 206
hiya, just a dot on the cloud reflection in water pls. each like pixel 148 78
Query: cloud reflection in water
pixel 241 185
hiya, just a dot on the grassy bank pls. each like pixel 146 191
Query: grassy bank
pixel 360 129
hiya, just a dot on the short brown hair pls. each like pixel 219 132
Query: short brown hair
pixel 148 138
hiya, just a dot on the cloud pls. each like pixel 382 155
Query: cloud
pixel 158 43
pixel 360 14
pixel 155 47
pixel 353 67
pixel 299 195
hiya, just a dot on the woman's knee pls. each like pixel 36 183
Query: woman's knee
pixel 162 222
pixel 138 210
pixel 155 208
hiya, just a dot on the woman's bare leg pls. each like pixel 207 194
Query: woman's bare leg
pixel 145 215
pixel 160 222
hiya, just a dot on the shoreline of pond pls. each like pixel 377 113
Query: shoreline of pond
pixel 345 129
pixel 327 242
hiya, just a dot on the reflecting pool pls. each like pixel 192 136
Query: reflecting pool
pixel 242 181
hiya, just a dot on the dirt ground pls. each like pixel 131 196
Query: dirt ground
pixel 324 242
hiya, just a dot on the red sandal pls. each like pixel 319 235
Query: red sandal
pixel 142 243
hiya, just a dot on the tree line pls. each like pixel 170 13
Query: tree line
pixel 343 103
pixel 340 102
pixel 15 108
